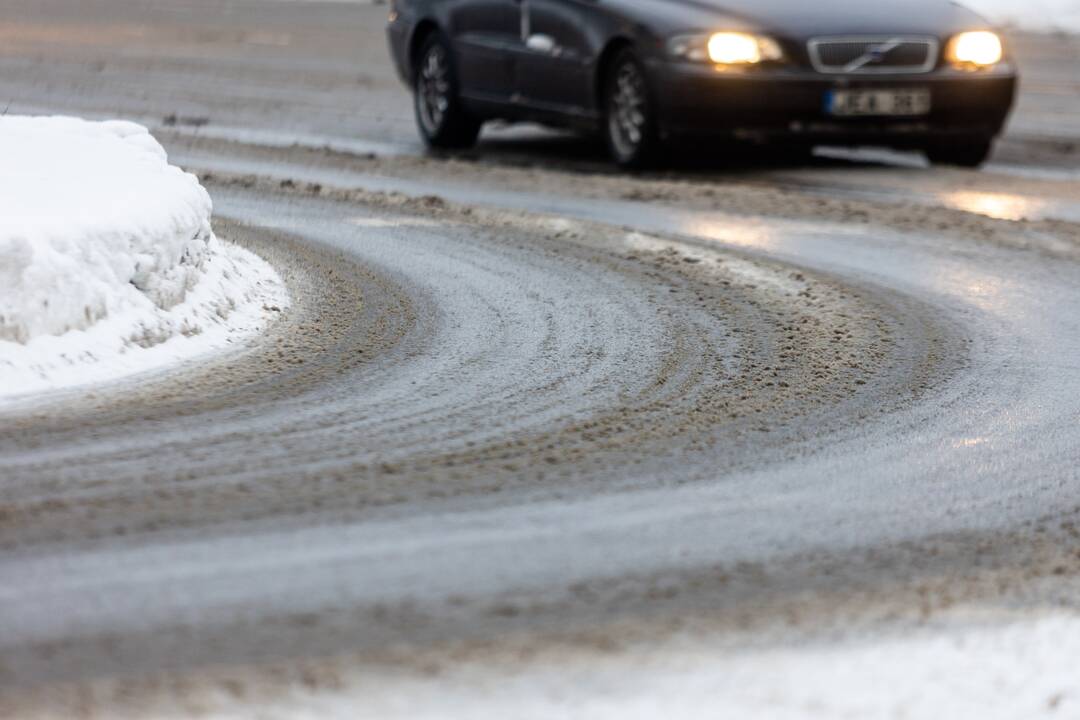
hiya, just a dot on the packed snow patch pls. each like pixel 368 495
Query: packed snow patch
pixel 108 263
pixel 999 670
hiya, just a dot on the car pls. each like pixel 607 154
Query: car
pixel 929 75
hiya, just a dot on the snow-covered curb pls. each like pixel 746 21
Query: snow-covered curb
pixel 108 263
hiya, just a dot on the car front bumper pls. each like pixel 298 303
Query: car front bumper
pixel 791 104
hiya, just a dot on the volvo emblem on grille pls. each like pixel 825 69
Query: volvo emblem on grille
pixel 847 54
pixel 873 55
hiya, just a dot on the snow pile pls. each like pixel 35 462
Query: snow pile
pixel 108 264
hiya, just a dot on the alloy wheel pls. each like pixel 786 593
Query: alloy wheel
pixel 433 89
pixel 627 112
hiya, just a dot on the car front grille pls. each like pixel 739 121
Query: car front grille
pixel 869 55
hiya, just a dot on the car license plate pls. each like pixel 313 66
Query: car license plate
pixel 902 102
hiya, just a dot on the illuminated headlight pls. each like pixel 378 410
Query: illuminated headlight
pixel 726 48
pixel 981 48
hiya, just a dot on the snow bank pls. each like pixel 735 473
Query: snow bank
pixel 108 264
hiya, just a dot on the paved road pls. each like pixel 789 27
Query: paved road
pixel 518 401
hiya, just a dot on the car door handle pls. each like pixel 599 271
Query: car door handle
pixel 541 44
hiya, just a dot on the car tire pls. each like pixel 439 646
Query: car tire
pixel 961 153
pixel 443 121
pixel 629 118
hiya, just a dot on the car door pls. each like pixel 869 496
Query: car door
pixel 485 35
pixel 554 65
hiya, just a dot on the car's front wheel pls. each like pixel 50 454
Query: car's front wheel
pixel 443 121
pixel 629 116
pixel 962 153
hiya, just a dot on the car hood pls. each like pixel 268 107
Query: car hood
pixel 806 18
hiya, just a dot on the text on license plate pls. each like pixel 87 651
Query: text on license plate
pixel 894 102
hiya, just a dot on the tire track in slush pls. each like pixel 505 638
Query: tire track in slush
pixel 522 406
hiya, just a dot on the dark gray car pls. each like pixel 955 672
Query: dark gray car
pixel 923 74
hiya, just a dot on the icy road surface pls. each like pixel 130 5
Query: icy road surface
pixel 548 422
pixel 537 436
